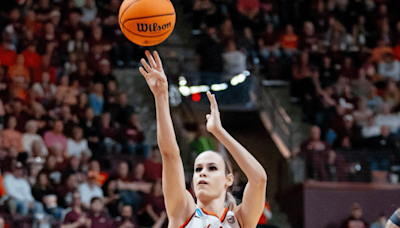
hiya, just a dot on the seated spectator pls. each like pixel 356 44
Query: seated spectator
pixel 66 190
pixel 74 166
pixel 82 76
pixel 99 218
pixel 392 94
pixel 8 55
pixel 77 144
pixel 389 67
pixel 79 109
pixel 108 132
pixel 132 138
pixel 379 51
pixel 90 189
pixel 131 189
pixel 10 137
pixel 17 109
pixel 374 101
pixel 347 100
pixel 30 136
pixel 8 162
pixel 112 93
pixel 319 155
pixel 76 217
pixel 127 219
pixel 269 43
pixel 289 41
pixel 234 60
pixel 93 59
pixel 349 70
pixel 249 8
pixel 349 130
pixel 385 118
pixel 308 40
pixel 68 119
pixel 104 74
pixel 96 99
pixel 355 218
pixel 111 197
pixel 52 170
pixel 78 45
pixel 362 113
pixel 121 111
pixel 153 165
pixel 360 87
pixel 381 147
pixel 328 75
pixel 371 129
pixel 71 65
pixel 56 136
pixel 19 74
pixel 19 191
pixel 45 89
pixel 325 105
pixel 32 59
pixel 91 131
pixel 155 213
pixel 94 166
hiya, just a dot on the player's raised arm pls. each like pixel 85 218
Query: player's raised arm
pixel 254 194
pixel 177 199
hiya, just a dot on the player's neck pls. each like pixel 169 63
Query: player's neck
pixel 216 206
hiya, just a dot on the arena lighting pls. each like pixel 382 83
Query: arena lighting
pixel 182 81
pixel 199 89
pixel 240 78
pixel 185 91
pixel 219 87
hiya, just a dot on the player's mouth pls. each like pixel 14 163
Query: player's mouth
pixel 202 182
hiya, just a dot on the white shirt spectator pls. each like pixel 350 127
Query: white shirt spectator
pixel 38 87
pixel 18 188
pixel 370 131
pixel 76 148
pixel 391 70
pixel 234 62
pixel 88 192
pixel 28 139
pixel 388 120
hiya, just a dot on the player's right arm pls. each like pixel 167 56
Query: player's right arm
pixel 178 201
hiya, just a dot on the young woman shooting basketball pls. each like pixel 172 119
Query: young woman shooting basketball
pixel 213 176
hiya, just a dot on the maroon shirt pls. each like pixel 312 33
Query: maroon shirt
pixel 153 170
pixel 157 203
pixel 72 217
pixel 103 221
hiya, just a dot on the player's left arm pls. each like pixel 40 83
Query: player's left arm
pixel 249 212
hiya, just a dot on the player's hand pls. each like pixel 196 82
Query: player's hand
pixel 154 74
pixel 213 119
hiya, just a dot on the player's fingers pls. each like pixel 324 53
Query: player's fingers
pixel 151 59
pixel 209 96
pixel 208 116
pixel 157 58
pixel 145 65
pixel 215 104
pixel 143 72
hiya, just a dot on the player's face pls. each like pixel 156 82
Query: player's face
pixel 209 179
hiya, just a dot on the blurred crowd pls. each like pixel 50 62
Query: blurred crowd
pixel 342 60
pixel 72 150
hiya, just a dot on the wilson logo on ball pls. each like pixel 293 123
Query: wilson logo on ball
pixel 152 27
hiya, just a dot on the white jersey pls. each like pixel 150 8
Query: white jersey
pixel 204 219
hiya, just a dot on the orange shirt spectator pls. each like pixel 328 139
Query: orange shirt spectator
pixel 380 51
pixel 18 72
pixel 10 137
pixel 289 39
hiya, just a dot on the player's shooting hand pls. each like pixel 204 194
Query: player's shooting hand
pixel 213 119
pixel 154 74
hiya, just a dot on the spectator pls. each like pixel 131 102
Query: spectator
pixel 111 197
pixel 76 217
pixel 108 132
pixel 130 189
pixel 52 168
pixel 10 137
pixel 81 75
pixel 71 66
pixel 79 109
pixel 126 220
pixel 103 75
pixel 385 118
pixel 234 60
pixel 318 156
pixel 389 67
pixel 74 166
pixel 30 136
pixel 121 111
pixel 66 190
pixel 77 144
pixel 91 130
pixel 153 165
pixel 90 190
pixel 45 89
pixel 19 74
pixel 78 45
pixel 89 12
pixel 17 109
pixel 289 41
pixel 371 129
pixel 355 218
pixel 19 190
pixel 154 207
pixel 99 218
pixel 360 87
pixel 97 99
pixel 132 138
pixel 249 8
pixel 328 75
pixel 56 136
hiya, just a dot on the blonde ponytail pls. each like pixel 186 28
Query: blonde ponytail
pixel 230 201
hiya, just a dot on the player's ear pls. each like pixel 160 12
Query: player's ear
pixel 229 179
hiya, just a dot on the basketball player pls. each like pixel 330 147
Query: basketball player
pixel 215 207
pixel 394 220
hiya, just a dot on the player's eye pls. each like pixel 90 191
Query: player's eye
pixel 198 169
pixel 212 168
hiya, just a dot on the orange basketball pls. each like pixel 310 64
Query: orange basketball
pixel 147 22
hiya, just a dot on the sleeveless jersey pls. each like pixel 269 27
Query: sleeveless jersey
pixel 204 219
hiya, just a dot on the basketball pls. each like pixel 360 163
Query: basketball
pixel 147 22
